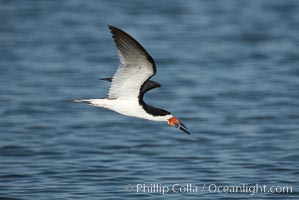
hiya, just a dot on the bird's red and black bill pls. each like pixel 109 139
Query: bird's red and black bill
pixel 178 124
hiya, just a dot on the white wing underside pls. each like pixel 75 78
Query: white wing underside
pixel 134 70
pixel 127 81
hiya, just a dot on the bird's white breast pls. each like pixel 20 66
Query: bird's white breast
pixel 130 107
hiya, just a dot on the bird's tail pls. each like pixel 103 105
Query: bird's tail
pixel 88 101
pixel 93 102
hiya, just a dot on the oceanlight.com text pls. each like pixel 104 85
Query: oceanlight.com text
pixel 157 188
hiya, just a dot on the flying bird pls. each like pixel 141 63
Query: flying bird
pixel 131 81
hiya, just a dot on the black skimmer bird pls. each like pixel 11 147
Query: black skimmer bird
pixel 131 81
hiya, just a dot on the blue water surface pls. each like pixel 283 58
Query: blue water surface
pixel 229 70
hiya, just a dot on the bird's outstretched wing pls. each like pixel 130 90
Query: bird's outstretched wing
pixel 136 67
pixel 148 85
